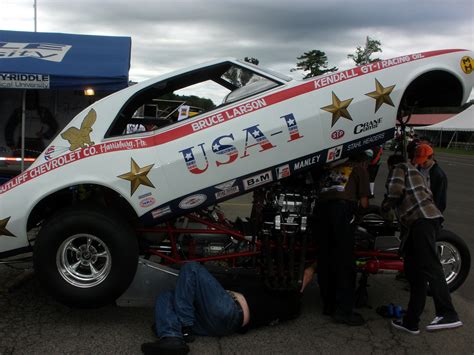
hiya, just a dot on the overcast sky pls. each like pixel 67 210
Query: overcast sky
pixel 172 34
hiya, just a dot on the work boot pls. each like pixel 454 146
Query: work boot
pixel 166 346
pixel 188 334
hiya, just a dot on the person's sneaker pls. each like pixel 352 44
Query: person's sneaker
pixel 397 323
pixel 166 346
pixel 444 323
pixel 353 318
pixel 188 334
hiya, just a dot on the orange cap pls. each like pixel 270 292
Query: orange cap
pixel 422 152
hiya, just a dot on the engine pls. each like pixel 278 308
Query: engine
pixel 283 215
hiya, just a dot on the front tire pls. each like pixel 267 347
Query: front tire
pixel 454 257
pixel 85 257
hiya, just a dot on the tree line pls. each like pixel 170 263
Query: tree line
pixel 315 62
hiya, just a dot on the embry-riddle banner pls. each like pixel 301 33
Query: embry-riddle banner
pixel 24 81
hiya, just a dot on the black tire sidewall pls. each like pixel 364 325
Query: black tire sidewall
pixel 461 246
pixel 115 234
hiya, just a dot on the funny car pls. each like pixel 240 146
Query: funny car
pixel 87 207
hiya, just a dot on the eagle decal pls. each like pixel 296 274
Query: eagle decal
pixel 80 137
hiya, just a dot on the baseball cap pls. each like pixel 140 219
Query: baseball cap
pixel 422 152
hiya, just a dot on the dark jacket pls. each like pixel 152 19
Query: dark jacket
pixel 439 186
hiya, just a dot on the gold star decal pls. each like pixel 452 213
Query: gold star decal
pixel 381 95
pixel 338 109
pixel 137 176
pixel 3 227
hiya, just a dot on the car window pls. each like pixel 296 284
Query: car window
pixel 186 96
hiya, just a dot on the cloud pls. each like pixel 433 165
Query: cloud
pixel 169 35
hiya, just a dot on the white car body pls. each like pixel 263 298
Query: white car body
pixel 225 152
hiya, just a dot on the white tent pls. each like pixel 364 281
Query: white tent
pixel 463 122
pixel 460 125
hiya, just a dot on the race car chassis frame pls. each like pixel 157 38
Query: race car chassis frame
pixel 368 261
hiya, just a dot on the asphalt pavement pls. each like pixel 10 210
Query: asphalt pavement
pixel 33 323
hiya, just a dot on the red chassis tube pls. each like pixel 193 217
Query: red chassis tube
pixel 374 260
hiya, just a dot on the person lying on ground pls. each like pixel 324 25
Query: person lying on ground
pixel 201 305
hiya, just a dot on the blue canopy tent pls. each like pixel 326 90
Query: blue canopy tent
pixel 71 61
pixel 59 61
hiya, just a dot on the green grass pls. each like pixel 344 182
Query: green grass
pixel 454 151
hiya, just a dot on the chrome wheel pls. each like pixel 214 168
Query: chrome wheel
pixel 450 259
pixel 83 260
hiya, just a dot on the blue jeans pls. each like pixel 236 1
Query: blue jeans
pixel 198 301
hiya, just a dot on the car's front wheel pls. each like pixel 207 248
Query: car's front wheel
pixel 85 257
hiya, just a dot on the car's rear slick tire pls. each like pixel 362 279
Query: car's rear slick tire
pixel 85 257
pixel 455 258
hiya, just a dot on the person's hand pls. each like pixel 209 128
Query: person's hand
pixel 308 276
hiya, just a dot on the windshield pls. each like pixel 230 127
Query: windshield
pixel 268 71
pixel 246 83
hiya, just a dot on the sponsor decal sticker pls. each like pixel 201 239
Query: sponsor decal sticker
pixel 282 171
pixel 24 81
pixel 52 52
pixel 227 189
pixel 303 163
pixel 49 152
pixel 257 180
pixel 192 201
pixel 334 153
pixel 147 202
pixel 367 126
pixel 161 212
pixel 144 195
pixel 337 134
pixel 467 64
